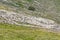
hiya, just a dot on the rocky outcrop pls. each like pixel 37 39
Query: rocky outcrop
pixel 18 18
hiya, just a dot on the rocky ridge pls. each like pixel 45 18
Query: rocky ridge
pixel 18 18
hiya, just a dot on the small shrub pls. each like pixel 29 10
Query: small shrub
pixel 31 8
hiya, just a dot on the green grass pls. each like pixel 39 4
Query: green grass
pixel 14 32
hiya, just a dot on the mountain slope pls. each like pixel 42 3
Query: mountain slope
pixel 32 12
pixel 29 20
pixel 14 32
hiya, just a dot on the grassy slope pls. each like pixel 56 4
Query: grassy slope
pixel 13 32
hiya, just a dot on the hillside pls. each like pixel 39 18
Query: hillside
pixel 30 19
pixel 14 32
pixel 43 8
pixel 32 12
